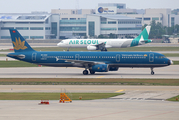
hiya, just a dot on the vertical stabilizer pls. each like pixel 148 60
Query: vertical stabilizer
pixel 142 38
pixel 18 42
pixel 144 34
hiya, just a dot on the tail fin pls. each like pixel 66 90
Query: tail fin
pixel 142 38
pixel 144 34
pixel 19 43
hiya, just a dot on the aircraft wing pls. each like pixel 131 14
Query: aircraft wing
pixel 83 62
pixel 100 46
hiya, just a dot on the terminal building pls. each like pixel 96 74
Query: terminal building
pixel 106 19
pixel 31 26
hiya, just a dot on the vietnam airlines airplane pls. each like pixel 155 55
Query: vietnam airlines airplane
pixel 90 61
pixel 103 44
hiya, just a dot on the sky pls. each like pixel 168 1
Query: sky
pixel 27 6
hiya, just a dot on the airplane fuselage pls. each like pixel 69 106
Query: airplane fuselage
pixel 109 43
pixel 117 59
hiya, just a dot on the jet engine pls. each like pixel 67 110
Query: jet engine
pixel 91 47
pixel 113 68
pixel 100 68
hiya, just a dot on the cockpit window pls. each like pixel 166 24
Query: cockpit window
pixel 61 42
pixel 161 57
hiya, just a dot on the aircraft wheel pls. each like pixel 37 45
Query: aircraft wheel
pixel 92 72
pixel 152 73
pixel 85 72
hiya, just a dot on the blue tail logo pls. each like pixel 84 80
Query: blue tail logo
pixel 19 44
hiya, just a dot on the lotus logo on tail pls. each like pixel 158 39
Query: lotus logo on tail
pixel 19 45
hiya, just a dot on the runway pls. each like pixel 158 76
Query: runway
pixel 171 71
pixel 139 103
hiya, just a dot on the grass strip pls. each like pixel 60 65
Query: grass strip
pixel 175 62
pixel 2 55
pixel 171 54
pixel 176 98
pixel 26 64
pixel 55 96
pixel 88 81
pixel 16 64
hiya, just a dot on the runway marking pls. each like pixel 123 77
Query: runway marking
pixel 100 76
pixel 119 91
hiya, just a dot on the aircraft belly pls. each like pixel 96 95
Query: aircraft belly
pixel 138 65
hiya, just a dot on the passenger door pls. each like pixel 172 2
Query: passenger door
pixel 34 56
pixel 77 56
pixel 151 57
pixel 117 58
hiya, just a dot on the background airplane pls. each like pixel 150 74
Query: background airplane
pixel 92 61
pixel 103 44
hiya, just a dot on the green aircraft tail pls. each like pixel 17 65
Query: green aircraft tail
pixel 142 38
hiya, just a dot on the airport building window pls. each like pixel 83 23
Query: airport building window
pixel 74 28
pixel 137 28
pixel 5 37
pixel 64 18
pixel 36 28
pixel 129 22
pixel 36 37
pixel 73 21
pixel 47 28
pixel 108 29
pixel 91 28
pixel 22 28
pixel 172 21
pixel 146 18
pixel 54 29
pixel 111 22
pixel 155 18
pixel 26 37
pixel 103 22
pixel 6 28
pixel 72 18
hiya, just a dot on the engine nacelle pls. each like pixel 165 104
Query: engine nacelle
pixel 91 47
pixel 113 68
pixel 100 68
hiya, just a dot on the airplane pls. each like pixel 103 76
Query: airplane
pixel 103 44
pixel 93 61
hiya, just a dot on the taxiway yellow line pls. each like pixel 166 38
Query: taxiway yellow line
pixel 100 76
pixel 119 91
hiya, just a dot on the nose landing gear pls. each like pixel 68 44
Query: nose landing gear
pixel 152 72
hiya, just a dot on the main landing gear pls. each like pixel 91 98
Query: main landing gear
pixel 152 72
pixel 85 72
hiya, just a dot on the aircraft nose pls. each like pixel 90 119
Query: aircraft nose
pixel 170 62
pixel 58 44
